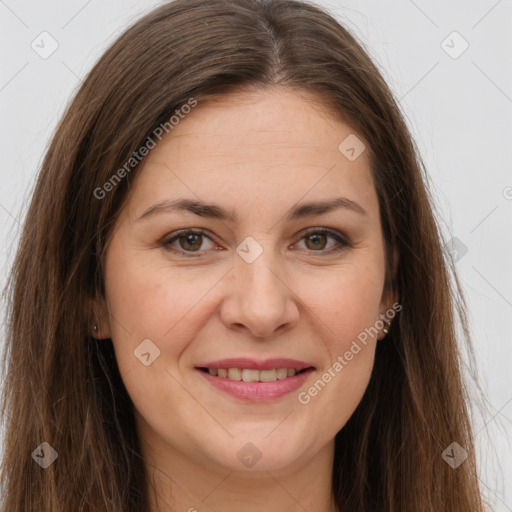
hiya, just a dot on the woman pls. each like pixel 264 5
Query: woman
pixel 230 290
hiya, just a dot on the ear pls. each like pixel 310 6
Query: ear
pixel 389 302
pixel 99 316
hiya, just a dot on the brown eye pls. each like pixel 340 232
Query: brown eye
pixel 317 240
pixel 188 241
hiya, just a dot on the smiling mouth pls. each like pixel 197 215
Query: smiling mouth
pixel 251 375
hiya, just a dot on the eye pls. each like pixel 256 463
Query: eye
pixel 188 242
pixel 316 240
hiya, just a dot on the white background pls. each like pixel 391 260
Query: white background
pixel 459 110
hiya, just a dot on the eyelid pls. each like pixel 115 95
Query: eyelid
pixel 342 241
pixel 168 240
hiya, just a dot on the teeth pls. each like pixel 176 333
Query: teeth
pixel 268 375
pixel 250 375
pixel 235 374
pixel 282 373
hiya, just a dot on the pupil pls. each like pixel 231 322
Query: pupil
pixel 315 238
pixel 190 239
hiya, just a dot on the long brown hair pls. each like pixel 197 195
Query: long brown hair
pixel 64 388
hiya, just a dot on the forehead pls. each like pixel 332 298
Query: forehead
pixel 253 147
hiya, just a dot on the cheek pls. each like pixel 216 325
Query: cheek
pixel 149 299
pixel 346 308
pixel 346 301
pixel 350 345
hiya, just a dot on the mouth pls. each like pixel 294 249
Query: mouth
pixel 265 384
pixel 254 375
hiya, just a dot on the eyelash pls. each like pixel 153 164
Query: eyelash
pixel 342 244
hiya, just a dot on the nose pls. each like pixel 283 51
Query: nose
pixel 259 299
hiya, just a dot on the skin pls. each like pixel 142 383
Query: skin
pixel 258 153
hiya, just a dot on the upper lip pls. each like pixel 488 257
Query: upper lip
pixel 253 364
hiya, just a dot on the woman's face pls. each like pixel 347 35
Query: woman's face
pixel 261 283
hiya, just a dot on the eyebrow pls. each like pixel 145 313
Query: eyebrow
pixel 216 212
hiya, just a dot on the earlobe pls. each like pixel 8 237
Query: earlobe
pixel 99 319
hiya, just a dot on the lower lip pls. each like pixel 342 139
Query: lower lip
pixel 257 391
